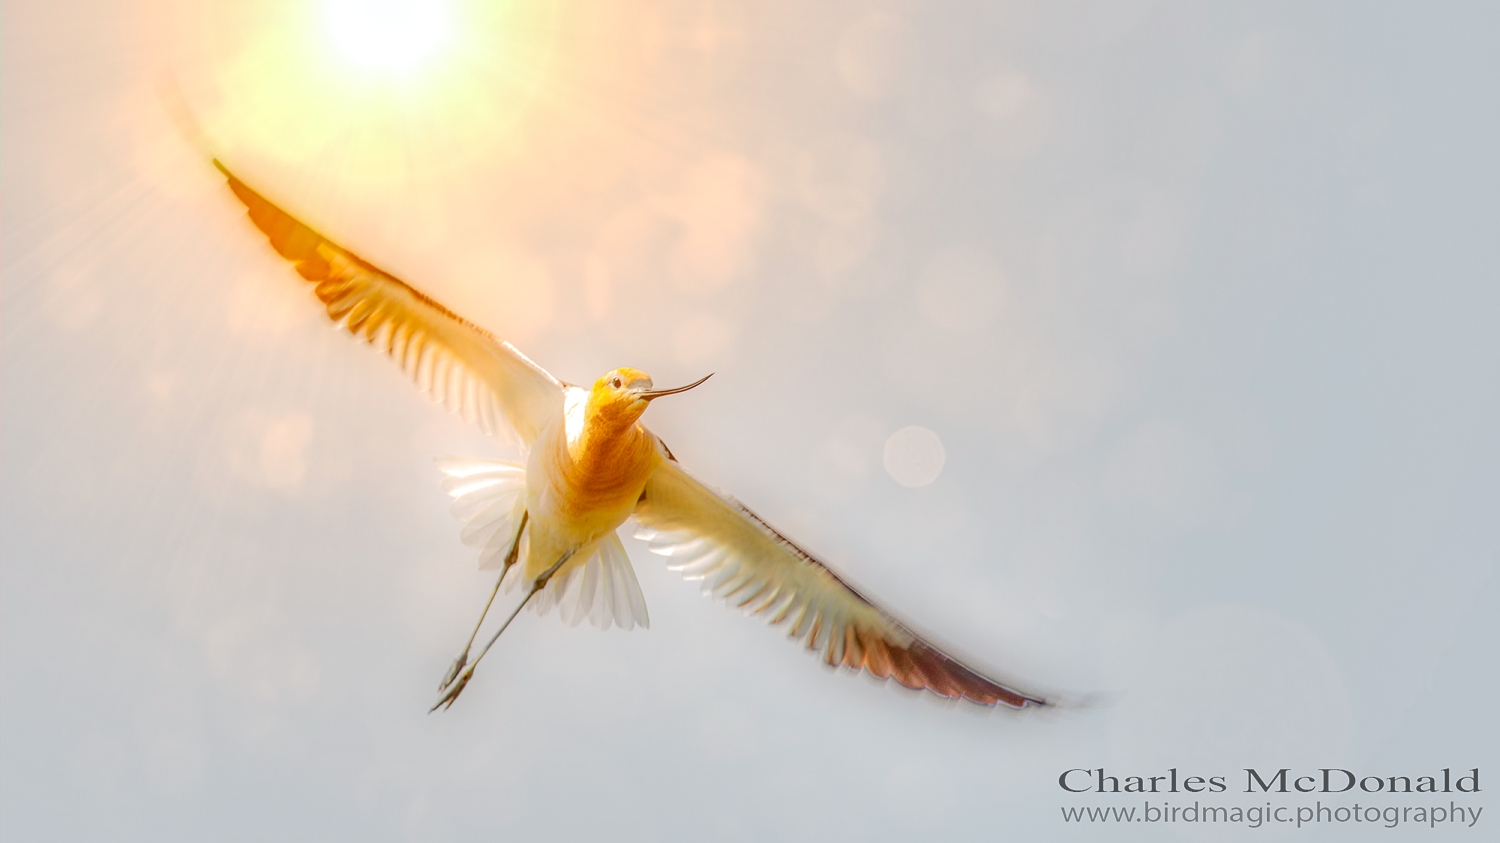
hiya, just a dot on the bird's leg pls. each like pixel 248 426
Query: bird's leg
pixel 456 687
pixel 510 559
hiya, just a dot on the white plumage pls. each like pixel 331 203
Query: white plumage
pixel 489 497
pixel 570 551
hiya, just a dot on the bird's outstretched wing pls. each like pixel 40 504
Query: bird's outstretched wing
pixel 457 362
pixel 744 560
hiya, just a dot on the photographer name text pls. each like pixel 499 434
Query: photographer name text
pixel 1283 780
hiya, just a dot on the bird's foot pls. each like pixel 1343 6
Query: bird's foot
pixel 454 689
pixel 453 669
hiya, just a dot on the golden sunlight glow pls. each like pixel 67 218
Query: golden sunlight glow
pixel 375 91
pixel 394 35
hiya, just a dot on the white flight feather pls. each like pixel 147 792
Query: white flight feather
pixel 489 497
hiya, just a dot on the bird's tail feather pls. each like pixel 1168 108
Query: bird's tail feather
pixel 489 497
pixel 603 588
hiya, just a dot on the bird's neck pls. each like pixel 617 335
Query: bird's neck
pixel 611 449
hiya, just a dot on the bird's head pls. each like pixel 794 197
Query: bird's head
pixel 623 394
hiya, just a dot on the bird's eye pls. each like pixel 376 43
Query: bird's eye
pixel 616 383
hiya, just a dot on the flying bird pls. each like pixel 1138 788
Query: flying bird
pixel 550 525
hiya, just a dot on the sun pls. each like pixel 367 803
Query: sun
pixel 376 92
pixel 388 35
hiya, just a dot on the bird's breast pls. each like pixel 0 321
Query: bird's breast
pixel 588 483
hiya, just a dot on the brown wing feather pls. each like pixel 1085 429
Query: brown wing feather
pixel 740 557
pixel 456 361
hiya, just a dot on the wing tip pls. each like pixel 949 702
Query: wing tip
pixel 974 699
pixel 1025 702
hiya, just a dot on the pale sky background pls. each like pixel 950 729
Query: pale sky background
pixel 1198 303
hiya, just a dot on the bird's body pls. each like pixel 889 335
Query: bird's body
pixel 591 466
pixel 585 472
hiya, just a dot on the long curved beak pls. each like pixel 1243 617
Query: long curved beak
pixel 657 393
